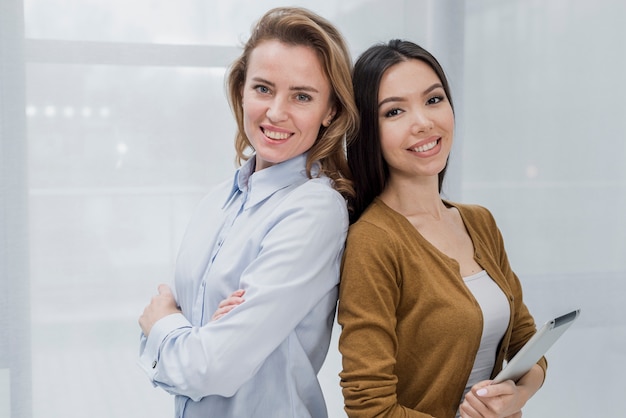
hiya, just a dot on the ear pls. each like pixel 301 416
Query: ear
pixel 328 119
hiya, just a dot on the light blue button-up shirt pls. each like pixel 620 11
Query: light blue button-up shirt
pixel 279 235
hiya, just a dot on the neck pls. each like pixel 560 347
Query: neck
pixel 414 196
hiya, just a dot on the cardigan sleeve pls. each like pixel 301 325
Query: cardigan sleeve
pixel 369 296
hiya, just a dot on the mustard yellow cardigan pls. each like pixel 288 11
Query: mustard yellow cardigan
pixel 410 326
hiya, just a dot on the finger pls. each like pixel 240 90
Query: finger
pixel 231 301
pixel 220 312
pixel 500 389
pixel 164 289
pixel 227 309
pixel 479 406
pixel 238 293
pixel 468 411
pixel 144 321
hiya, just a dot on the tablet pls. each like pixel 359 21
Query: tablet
pixel 536 347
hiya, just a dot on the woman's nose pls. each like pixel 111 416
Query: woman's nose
pixel 421 122
pixel 277 110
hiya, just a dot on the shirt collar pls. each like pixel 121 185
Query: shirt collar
pixel 260 185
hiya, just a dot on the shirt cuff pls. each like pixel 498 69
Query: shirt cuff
pixel 150 354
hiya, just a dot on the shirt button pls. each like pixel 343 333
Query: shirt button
pixel 154 364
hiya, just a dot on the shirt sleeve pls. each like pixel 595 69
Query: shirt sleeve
pixel 296 269
pixel 149 347
pixel 368 298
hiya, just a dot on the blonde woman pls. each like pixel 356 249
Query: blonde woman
pixel 257 273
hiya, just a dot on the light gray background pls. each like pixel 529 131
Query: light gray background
pixel 114 123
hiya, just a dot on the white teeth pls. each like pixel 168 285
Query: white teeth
pixel 425 147
pixel 276 135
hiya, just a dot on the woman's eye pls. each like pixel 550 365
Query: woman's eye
pixel 301 97
pixel 435 100
pixel 262 89
pixel 393 112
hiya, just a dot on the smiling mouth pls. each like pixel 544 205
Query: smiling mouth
pixel 425 147
pixel 275 135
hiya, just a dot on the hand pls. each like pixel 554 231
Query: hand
pixel 228 304
pixel 502 400
pixel 160 306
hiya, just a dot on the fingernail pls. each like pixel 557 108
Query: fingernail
pixel 481 392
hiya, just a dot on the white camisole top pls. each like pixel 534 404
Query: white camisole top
pixel 496 312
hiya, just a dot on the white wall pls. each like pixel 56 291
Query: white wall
pixel 127 126
pixel 545 149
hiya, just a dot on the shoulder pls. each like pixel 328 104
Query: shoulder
pixel 314 201
pixel 377 228
pixel 476 215
pixel 217 194
pixel 318 193
pixel 480 222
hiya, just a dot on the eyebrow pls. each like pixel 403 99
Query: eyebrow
pixel 292 88
pixel 400 99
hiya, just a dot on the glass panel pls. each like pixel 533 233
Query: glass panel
pixel 5 393
pixel 104 126
pixel 544 149
pixel 119 157
pixel 544 120
pixel 191 21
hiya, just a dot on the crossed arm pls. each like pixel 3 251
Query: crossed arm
pixel 164 304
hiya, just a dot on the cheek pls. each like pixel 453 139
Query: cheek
pixel 386 147
pixel 388 136
pixel 251 110
pixel 308 123
pixel 449 121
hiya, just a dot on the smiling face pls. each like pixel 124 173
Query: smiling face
pixel 286 100
pixel 416 120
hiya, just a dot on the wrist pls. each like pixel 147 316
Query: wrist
pixel 530 383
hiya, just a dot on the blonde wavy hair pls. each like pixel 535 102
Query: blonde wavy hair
pixel 299 26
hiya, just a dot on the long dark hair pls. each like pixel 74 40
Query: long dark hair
pixel 369 169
